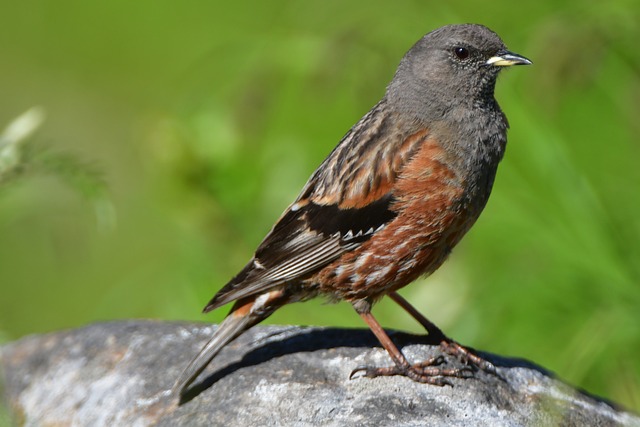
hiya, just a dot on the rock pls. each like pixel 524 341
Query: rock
pixel 120 374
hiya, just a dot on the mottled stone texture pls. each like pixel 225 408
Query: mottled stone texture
pixel 120 374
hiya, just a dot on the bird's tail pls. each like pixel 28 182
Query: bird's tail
pixel 244 314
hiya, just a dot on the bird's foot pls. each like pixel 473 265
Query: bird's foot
pixel 467 356
pixel 428 372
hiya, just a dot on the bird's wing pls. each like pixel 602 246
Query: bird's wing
pixel 346 201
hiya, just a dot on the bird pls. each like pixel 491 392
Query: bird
pixel 388 204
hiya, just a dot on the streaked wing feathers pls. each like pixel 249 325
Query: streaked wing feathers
pixel 302 242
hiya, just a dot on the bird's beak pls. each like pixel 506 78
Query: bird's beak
pixel 504 58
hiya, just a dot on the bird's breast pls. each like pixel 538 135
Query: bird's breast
pixel 432 215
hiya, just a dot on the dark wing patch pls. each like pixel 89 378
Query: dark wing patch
pixel 302 242
pixel 352 224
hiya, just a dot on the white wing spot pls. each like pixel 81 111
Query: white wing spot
pixel 260 302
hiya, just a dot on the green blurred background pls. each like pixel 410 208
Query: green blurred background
pixel 206 118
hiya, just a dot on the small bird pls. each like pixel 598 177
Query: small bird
pixel 389 202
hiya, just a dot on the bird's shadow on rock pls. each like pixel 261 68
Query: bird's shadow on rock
pixel 295 340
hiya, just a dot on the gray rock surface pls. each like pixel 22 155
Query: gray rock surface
pixel 120 374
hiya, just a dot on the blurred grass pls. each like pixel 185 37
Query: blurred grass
pixel 207 118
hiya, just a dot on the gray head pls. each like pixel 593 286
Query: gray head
pixel 453 66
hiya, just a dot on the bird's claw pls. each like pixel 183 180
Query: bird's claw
pixel 468 357
pixel 428 372
pixel 358 370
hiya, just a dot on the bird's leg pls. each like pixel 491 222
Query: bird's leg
pixel 428 371
pixel 448 345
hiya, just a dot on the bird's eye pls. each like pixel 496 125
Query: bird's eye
pixel 461 52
